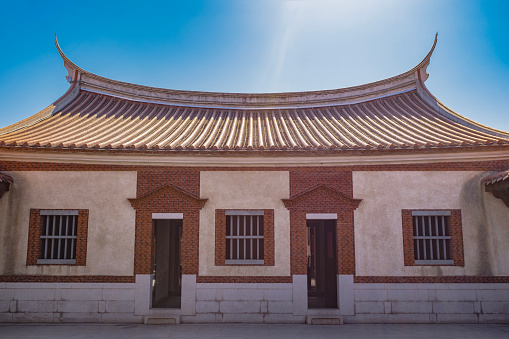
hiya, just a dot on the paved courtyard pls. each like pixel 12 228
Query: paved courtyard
pixel 435 331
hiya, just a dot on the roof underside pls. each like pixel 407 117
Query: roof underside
pixel 99 121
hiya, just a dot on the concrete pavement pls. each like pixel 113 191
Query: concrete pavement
pixel 435 331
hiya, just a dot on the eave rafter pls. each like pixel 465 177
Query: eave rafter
pixel 5 182
pixel 498 185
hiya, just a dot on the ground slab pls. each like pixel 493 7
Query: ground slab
pixel 358 331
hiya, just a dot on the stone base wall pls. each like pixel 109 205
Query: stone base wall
pixel 430 303
pixel 255 302
pixel 68 302
pixel 244 303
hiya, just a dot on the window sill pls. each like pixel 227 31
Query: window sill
pixel 244 262
pixel 56 261
pixel 435 262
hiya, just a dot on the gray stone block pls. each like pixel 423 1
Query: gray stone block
pixel 264 306
pixel 273 286
pixel 75 306
pixel 30 286
pixel 346 294
pixel 242 318
pixel 456 295
pixel 239 307
pixel 201 318
pixel 492 307
pixel 278 295
pixel 32 317
pixel 366 319
pixel 494 318
pixel 300 295
pixel 13 306
pixel 6 294
pixel 118 294
pixel 458 307
pixel 6 317
pixel 280 307
pixel 118 286
pixel 207 307
pixel 407 295
pixel 412 307
pixel 4 305
pixel 121 318
pixel 88 285
pixel 34 294
pixel 284 319
pixel 409 318
pixel 369 307
pixel 493 295
pixel 243 294
pixel 387 307
pixel 458 318
pixel 85 317
pixel 205 294
pixel 119 306
pixel 82 294
pixel 34 306
pixel 370 295
pixel 188 298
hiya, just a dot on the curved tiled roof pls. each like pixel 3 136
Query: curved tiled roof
pixel 103 114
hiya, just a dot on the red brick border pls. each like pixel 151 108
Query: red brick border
pixel 268 239
pixel 244 279
pixel 323 199
pixel 461 279
pixel 36 230
pixel 68 278
pixel 302 179
pixel 455 230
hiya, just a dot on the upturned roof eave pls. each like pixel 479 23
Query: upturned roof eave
pixel 286 100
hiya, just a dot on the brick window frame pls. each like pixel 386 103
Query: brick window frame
pixel 36 230
pixel 220 241
pixel 454 230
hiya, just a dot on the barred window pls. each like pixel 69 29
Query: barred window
pixel 244 237
pixel 432 237
pixel 58 237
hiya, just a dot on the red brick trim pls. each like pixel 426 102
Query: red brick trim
pixel 245 280
pixel 167 189
pixel 455 230
pixel 318 190
pixel 68 279
pixel 268 239
pixel 468 279
pixel 36 229
pixel 165 199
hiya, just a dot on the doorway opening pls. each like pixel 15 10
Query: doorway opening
pixel 167 266
pixel 322 264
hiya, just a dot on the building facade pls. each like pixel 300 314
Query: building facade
pixel 374 203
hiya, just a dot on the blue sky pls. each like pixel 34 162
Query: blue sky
pixel 258 46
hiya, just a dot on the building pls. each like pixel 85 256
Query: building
pixel 374 203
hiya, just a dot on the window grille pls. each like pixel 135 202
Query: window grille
pixel 58 239
pixel 431 237
pixel 244 237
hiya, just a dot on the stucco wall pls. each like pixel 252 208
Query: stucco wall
pixel 245 190
pixel 110 249
pixel 378 224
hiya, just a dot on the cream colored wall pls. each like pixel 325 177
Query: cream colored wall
pixel 111 223
pixel 245 190
pixel 378 224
